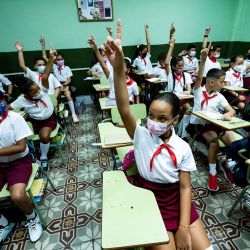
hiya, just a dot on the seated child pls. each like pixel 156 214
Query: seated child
pixel 5 81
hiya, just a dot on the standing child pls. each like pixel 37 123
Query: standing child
pixel 36 102
pixel 15 170
pixel 208 98
pixel 163 159
pixel 5 81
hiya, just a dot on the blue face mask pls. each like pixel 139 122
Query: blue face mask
pixel 3 108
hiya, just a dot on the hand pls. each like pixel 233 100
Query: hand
pixel 241 97
pixel 109 29
pixel 204 54
pixel 146 27
pixel 53 54
pixel 19 46
pixel 186 93
pixel 172 29
pixel 207 30
pixel 92 42
pixel 182 238
pixel 226 117
pixel 95 74
pixel 172 41
pixel 113 49
pixel 183 53
pixel 42 41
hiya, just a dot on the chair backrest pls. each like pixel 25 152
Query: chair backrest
pixel 104 80
pixel 53 100
pixel 139 111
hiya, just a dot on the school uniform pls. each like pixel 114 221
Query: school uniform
pixel 246 75
pixel 211 63
pixel 191 64
pixel 15 168
pixel 97 69
pixel 159 168
pixel 37 78
pixel 143 65
pixel 62 73
pixel 41 112
pixel 160 71
pixel 132 90
pixel 4 81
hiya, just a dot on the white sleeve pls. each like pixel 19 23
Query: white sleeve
pixel 148 56
pixel 135 90
pixel 32 75
pixel 244 69
pixel 4 80
pixel 197 92
pixel 188 162
pixel 223 101
pixel 56 83
pixel 228 78
pixel 69 72
pixel 188 78
pixel 21 128
pixel 139 134
pixel 134 65
pixel 18 103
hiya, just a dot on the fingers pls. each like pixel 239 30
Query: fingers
pixel 119 30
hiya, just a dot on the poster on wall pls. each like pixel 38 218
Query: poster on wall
pixel 95 10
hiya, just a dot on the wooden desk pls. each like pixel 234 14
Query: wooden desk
pixel 91 78
pixel 101 88
pixel 103 106
pixel 130 215
pixel 155 80
pixel 181 97
pixel 234 124
pixel 235 89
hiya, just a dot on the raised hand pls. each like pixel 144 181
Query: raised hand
pixel 42 41
pixel 92 42
pixel 53 54
pixel 172 41
pixel 172 30
pixel 109 29
pixel 18 46
pixel 204 54
pixel 146 27
pixel 207 30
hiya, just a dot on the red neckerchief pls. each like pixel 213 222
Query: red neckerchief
pixel 213 59
pixel 237 75
pixel 4 116
pixel 144 60
pixel 130 81
pixel 60 69
pixel 178 78
pixel 36 101
pixel 158 151
pixel 40 77
pixel 162 67
pixel 190 59
pixel 206 98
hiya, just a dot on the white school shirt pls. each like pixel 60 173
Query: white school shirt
pixel 235 78
pixel 4 81
pixel 96 68
pixel 246 63
pixel 213 104
pixel 37 78
pixel 13 129
pixel 35 108
pixel 111 84
pixel 62 73
pixel 191 64
pixel 132 89
pixel 143 65
pixel 179 86
pixel 160 72
pixel 163 170
pixel 210 65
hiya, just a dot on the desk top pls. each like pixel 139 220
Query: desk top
pixel 102 102
pixel 108 132
pixel 156 80
pixel 130 215
pixel 181 97
pixel 234 123
pixel 235 89
pixel 91 78
pixel 99 87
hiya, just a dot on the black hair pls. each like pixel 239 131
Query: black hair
pixel 162 56
pixel 173 63
pixel 214 48
pixel 234 58
pixel 215 74
pixel 59 54
pixel 1 96
pixel 171 99
pixel 25 85
pixel 127 62
pixel 140 48
pixel 38 58
pixel 191 46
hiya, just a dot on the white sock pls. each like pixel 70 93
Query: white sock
pixel 31 216
pixel 212 169
pixel 3 221
pixel 71 107
pixel 44 150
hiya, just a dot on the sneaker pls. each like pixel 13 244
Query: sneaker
pixel 34 228
pixel 44 164
pixel 227 173
pixel 212 183
pixel 6 231
pixel 75 118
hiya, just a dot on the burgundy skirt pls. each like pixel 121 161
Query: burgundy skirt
pixel 51 122
pixel 246 82
pixel 168 200
pixel 234 100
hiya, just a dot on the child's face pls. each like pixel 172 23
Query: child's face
pixel 217 85
pixel 178 68
pixel 239 61
pixel 34 90
pixel 216 53
pixel 59 58
pixel 143 53
pixel 39 63
pixel 127 70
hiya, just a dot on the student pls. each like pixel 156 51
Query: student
pixel 234 77
pixel 156 147
pixel 208 98
pixel 246 76
pixel 36 102
pixel 160 69
pixel 63 74
pixel 142 63
pixel 16 168
pixel 36 76
pixel 5 81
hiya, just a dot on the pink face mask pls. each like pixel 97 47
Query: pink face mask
pixel 60 63
pixel 157 128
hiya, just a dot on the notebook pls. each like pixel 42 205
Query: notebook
pixel 116 139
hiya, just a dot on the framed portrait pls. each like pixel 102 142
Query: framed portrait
pixel 95 10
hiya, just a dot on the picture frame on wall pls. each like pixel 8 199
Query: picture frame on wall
pixel 95 10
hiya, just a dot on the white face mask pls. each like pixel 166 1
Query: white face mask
pixel 192 53
pixel 217 55
pixel 41 69
pixel 238 68
pixel 39 96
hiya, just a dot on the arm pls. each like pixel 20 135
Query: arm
pixel 169 54
pixel 115 55
pixel 229 113
pixel 105 69
pixel 147 38
pixel 21 61
pixel 42 42
pixel 137 100
pixel 10 89
pixel 14 149
pixel 57 91
pixel 68 81
pixel 204 43
pixel 183 53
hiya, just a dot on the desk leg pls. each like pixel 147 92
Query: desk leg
pixel 114 159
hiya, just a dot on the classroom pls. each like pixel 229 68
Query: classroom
pixel 125 125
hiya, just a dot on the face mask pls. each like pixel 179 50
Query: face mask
pixel 217 55
pixel 144 54
pixel 39 96
pixel 41 69
pixel 248 56
pixel 60 63
pixel 192 53
pixel 157 128
pixel 238 68
pixel 3 108
pixel 179 71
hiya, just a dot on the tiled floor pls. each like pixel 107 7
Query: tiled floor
pixel 73 212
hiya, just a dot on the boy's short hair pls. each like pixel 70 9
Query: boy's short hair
pixel 162 56
pixel 215 74
pixel 38 58
pixel 214 47
pixel 191 46
pixel 234 58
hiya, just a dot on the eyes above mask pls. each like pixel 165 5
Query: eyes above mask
pixel 3 108
pixel 41 69
pixel 192 53
pixel 157 128
pixel 238 68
